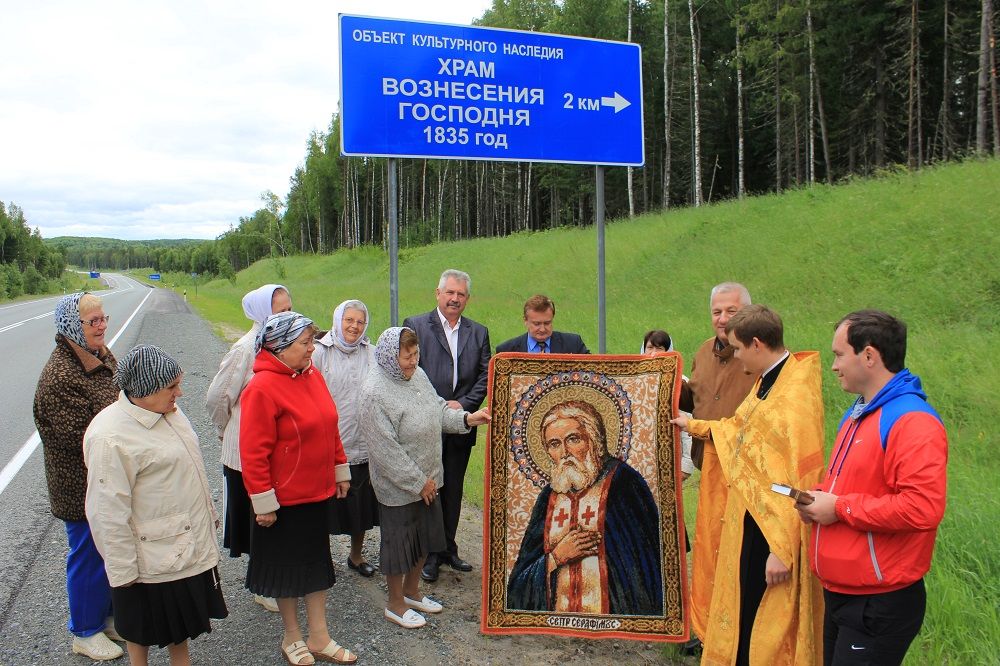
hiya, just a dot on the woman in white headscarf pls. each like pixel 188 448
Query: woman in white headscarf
pixel 223 404
pixel 343 356
pixel 402 418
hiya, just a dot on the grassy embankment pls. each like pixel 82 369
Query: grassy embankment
pixel 921 245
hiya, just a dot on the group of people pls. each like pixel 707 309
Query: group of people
pixel 829 567
pixel 324 433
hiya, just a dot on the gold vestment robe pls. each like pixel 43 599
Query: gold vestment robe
pixel 776 440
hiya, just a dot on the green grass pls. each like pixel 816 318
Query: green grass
pixel 921 245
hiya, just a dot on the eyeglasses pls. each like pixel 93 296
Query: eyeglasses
pixel 351 321
pixel 96 321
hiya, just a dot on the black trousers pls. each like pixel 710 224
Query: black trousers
pixel 753 583
pixel 455 453
pixel 872 629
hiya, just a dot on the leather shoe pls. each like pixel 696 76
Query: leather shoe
pixel 364 568
pixel 458 564
pixel 692 647
pixel 430 570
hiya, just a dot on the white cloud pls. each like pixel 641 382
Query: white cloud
pixel 167 119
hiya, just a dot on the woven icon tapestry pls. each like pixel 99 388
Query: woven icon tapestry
pixel 584 531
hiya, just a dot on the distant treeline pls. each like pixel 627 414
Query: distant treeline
pixel 182 255
pixel 27 265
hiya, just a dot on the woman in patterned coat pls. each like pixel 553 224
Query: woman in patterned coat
pixel 74 386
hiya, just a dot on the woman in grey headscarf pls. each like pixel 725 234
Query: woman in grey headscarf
pixel 343 356
pixel 402 418
pixel 150 511
pixel 293 463
pixel 74 386
pixel 223 403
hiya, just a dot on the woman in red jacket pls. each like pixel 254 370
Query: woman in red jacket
pixel 293 463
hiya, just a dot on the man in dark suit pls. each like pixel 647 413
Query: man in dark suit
pixel 539 311
pixel 455 354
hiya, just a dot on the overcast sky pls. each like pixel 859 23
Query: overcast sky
pixel 168 118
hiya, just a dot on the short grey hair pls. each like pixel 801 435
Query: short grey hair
pixel 458 275
pixel 726 287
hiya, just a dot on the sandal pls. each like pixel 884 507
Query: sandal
pixel 297 654
pixel 330 652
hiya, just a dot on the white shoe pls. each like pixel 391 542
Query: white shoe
pixel 267 602
pixel 411 619
pixel 110 631
pixel 98 647
pixel 426 605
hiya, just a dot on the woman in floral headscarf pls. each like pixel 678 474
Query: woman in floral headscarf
pixel 75 385
pixel 344 356
pixel 293 463
pixel 402 418
pixel 223 404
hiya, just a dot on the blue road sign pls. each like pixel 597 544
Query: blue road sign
pixel 154 276
pixel 95 274
pixel 413 89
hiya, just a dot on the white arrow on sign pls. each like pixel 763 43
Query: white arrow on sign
pixel 617 101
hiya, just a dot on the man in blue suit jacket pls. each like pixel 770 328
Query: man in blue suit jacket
pixel 455 354
pixel 539 311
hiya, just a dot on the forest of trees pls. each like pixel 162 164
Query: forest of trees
pixel 740 97
pixel 27 265
pixel 761 95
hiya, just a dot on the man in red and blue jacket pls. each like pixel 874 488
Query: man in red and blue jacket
pixel 875 516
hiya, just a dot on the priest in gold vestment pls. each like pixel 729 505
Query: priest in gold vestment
pixel 766 607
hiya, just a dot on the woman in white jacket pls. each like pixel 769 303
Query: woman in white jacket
pixel 344 356
pixel 223 404
pixel 150 511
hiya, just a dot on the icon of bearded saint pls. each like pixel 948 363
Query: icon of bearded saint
pixel 592 544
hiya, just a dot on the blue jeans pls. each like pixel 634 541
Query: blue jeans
pixel 86 582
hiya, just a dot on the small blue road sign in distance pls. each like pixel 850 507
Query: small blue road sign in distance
pixel 154 276
pixel 414 89
pixel 95 274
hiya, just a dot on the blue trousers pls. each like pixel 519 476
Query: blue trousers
pixel 86 582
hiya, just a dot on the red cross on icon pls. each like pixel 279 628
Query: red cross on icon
pixel 562 516
pixel 588 514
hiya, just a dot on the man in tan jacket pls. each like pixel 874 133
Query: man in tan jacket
pixel 717 386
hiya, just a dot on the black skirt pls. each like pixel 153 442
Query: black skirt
pixel 168 613
pixel 291 558
pixel 237 532
pixel 409 533
pixel 358 512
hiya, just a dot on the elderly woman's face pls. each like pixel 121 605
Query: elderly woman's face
pixel 408 360
pixel 95 325
pixel 352 325
pixel 652 349
pixel 163 401
pixel 298 354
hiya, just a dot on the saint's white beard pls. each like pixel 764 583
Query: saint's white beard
pixel 571 475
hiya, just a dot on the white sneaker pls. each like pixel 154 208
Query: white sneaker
pixel 267 602
pixel 98 647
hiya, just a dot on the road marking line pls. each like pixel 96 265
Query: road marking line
pixel 11 469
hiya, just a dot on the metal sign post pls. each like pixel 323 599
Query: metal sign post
pixel 428 90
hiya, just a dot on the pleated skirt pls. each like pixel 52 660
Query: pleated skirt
pixel 358 512
pixel 409 533
pixel 291 558
pixel 239 521
pixel 168 613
